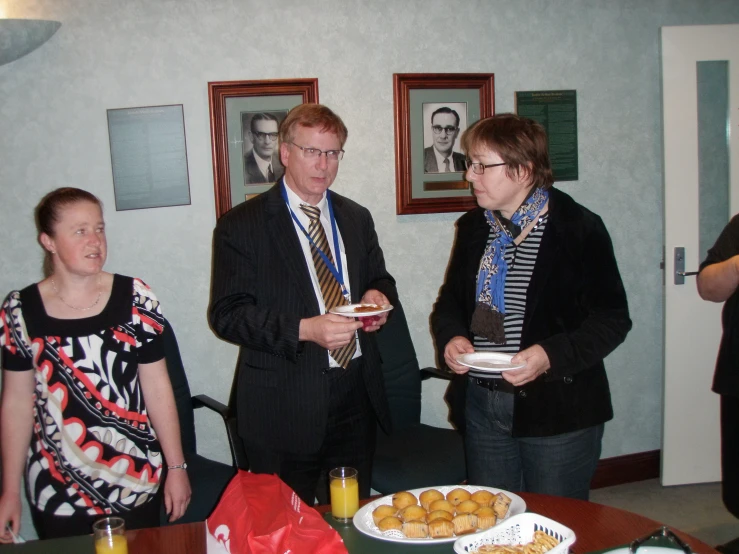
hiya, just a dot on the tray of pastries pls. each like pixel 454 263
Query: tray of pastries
pixel 439 514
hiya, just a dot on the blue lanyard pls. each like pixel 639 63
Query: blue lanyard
pixel 337 271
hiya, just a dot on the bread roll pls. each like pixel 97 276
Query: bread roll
pixel 416 529
pixel 467 507
pixel 383 511
pixel 428 496
pixel 464 523
pixel 440 528
pixel 442 505
pixel 485 517
pixel 404 498
pixel 483 498
pixel 412 513
pixel 501 504
pixel 389 523
pixel 458 495
pixel 439 514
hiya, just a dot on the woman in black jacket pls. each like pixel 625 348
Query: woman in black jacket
pixel 532 274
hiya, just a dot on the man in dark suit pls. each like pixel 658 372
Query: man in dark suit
pixel 262 162
pixel 310 388
pixel 441 158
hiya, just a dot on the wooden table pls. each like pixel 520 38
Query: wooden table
pixel 597 528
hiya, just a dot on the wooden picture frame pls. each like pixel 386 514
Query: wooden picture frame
pixel 233 105
pixel 420 186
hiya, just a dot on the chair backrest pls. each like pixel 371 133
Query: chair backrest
pixel 181 389
pixel 400 370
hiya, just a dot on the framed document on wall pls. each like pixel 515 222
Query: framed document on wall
pixel 148 155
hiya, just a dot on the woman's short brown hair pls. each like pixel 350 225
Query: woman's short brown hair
pixel 311 116
pixel 520 142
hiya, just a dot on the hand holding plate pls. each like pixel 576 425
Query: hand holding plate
pixel 373 323
pixel 328 330
pixel 453 350
pixel 537 362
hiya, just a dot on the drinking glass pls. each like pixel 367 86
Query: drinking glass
pixel 110 536
pixel 344 488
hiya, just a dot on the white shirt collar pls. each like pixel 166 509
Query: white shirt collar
pixel 440 160
pixel 294 201
pixel 262 164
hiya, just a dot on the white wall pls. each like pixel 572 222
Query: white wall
pixel 109 54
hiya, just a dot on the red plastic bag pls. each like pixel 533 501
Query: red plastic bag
pixel 259 514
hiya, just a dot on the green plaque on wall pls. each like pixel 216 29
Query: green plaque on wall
pixel 556 110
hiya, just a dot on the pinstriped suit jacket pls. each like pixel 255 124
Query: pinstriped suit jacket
pixel 261 289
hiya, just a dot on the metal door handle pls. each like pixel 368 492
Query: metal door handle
pixel 680 272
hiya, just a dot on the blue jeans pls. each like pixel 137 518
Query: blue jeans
pixel 560 465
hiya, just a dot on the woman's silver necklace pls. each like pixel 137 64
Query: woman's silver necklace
pixel 90 307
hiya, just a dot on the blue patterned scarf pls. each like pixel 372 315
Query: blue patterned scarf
pixel 487 320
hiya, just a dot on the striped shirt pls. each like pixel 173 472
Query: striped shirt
pixel 520 260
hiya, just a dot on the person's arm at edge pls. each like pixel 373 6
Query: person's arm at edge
pixel 717 282
pixel 162 411
pixel 16 429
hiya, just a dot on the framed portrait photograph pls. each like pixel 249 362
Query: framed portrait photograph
pixel 244 120
pixel 432 111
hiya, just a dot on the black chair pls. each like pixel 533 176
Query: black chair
pixel 208 478
pixel 415 455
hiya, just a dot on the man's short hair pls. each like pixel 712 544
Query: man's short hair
pixel 312 116
pixel 445 109
pixel 261 117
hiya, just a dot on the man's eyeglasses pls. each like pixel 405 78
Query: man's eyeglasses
pixel 479 168
pixel 312 153
pixel 264 136
pixel 437 129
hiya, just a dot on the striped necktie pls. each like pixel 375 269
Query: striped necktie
pixel 330 288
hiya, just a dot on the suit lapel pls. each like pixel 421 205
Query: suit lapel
pixel 545 260
pixel 352 245
pixel 281 231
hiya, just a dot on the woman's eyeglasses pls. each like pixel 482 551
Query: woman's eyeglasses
pixel 479 168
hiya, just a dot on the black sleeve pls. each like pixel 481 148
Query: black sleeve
pixel 726 246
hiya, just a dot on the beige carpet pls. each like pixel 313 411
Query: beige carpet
pixel 694 509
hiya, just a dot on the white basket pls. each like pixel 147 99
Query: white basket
pixel 518 529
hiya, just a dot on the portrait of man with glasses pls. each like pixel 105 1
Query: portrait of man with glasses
pixel 442 133
pixel 262 160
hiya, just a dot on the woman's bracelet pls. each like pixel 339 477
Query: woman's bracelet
pixel 183 465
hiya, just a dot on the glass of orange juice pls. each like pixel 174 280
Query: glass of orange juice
pixel 110 536
pixel 344 488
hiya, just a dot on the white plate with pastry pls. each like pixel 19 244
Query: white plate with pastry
pixel 378 514
pixel 489 362
pixel 360 310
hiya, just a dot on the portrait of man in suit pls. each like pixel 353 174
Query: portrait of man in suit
pixel 442 133
pixel 262 161
pixel 310 390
